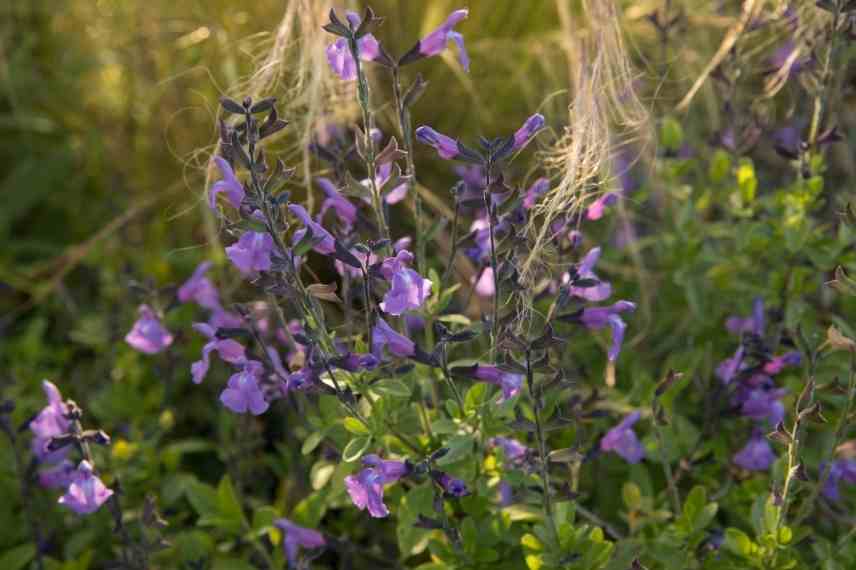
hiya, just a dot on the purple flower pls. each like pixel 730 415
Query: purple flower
pixel 759 399
pixel 596 318
pixel 383 335
pixel 243 393
pixel 622 440
pixel 339 52
pixel 326 242
pixel 148 335
pixel 485 286
pixel 366 491
pixel 296 537
pixel 251 253
pixel 506 494
pixel 382 175
pixel 778 363
pixel 752 324
pixel 515 452
pixel 597 208
pixel 525 133
pixel 538 189
pixel 345 210
pixel 86 493
pixel 787 57
pixel 585 270
pixel 840 470
pixel 730 367
pixel 391 470
pixel 199 289
pixel 229 185
pixel 508 382
pixel 230 351
pixel 408 289
pixel 446 147
pixel 452 485
pixel 756 455
pixel 49 423
pixel 60 475
pixel 435 42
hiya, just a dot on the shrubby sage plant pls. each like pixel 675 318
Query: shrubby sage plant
pixel 386 390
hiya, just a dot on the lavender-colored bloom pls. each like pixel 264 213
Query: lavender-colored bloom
pixel 525 133
pixel 49 423
pixel 230 351
pixel 484 285
pixel 778 363
pixel 345 210
pixel 327 242
pixel 787 57
pixel 86 493
pixel 435 42
pixel 354 362
pixel 446 147
pixel 148 335
pixel 730 367
pixel 223 319
pixel 366 491
pixel 508 382
pixel 585 269
pixel 452 485
pixel 251 253
pixel 756 455
pixel 243 393
pixel 383 173
pixel 339 52
pixel 228 185
pixel 383 335
pixel 391 470
pixel 506 494
pixel 408 289
pixel 538 189
pixel 297 537
pixel 199 289
pixel 515 452
pixel 759 399
pixel 622 440
pixel 60 475
pixel 597 208
pixel 598 317
pixel 752 324
pixel 840 470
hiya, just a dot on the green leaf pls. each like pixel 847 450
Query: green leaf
pixel 17 557
pixel 392 387
pixel 229 505
pixel 476 396
pixel 203 498
pixel 671 134
pixel 355 426
pixel 738 542
pixel 263 518
pixel 311 442
pixel 632 496
pixel 355 448
pixel 460 447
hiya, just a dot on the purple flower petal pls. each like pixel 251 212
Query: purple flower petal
pixel 148 335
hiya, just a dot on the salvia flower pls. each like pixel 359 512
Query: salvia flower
pixel 622 440
pixel 230 351
pixel 752 324
pixel 756 455
pixel 446 147
pixel 508 382
pixel 148 335
pixel 200 289
pixel 366 491
pixel 49 423
pixel 339 54
pixel 515 452
pixel 599 317
pixel 251 253
pixel 229 185
pixel 297 537
pixel 597 208
pixel 759 399
pixel 345 210
pixel 86 493
pixel 243 393
pixel 408 290
pixel 391 469
pixel 60 475
pixel 384 335
pixel 326 242
pixel 538 189
pixel 484 285
pixel 435 42
pixel 840 470
pixel 585 270
pixel 452 485
pixel 778 363
pixel 525 133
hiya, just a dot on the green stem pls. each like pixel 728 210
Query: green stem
pixel 406 127
pixel 542 450
pixel 493 265
pixel 674 496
